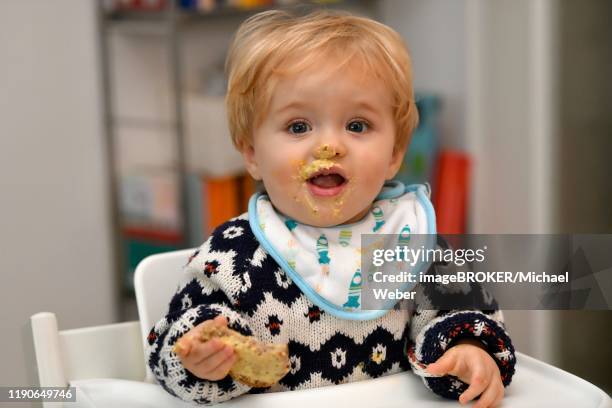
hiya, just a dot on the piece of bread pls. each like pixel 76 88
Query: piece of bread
pixel 258 364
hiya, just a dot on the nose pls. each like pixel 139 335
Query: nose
pixel 325 151
pixel 329 147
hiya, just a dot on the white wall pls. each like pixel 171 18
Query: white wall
pixel 510 126
pixel 54 219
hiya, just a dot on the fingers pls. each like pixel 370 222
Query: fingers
pixel 182 347
pixel 479 381
pixel 444 365
pixel 492 395
pixel 201 351
pixel 223 368
pixel 210 359
pixel 185 344
pixel 216 358
pixel 213 368
pixel 220 321
pixel 205 324
pixel 473 365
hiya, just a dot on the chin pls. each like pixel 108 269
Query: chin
pixel 327 216
pixel 331 223
pixel 328 220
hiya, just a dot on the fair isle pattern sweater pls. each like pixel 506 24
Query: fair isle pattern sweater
pixel 232 275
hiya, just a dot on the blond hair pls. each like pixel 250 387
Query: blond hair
pixel 275 42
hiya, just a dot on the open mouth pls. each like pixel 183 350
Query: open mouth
pixel 327 182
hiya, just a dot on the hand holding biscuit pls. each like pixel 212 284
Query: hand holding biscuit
pixel 211 351
pixel 210 360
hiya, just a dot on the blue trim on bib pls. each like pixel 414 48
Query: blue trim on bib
pixel 393 189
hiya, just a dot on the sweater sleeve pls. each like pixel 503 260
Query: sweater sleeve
pixel 206 290
pixel 433 331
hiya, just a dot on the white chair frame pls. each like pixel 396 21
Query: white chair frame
pixel 108 351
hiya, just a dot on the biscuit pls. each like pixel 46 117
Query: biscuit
pixel 258 364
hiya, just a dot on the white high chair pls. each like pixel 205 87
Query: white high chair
pixel 106 365
pixel 155 281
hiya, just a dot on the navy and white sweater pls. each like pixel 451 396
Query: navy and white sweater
pixel 232 275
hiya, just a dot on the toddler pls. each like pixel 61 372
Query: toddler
pixel 322 108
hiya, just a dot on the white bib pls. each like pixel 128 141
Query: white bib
pixel 325 262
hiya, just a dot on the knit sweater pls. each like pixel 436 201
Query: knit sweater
pixel 232 275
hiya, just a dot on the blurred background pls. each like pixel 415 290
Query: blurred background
pixel 114 146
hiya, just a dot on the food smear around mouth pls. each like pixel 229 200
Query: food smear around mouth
pixel 301 170
pixel 309 201
pixel 340 201
pixel 306 199
pixel 306 171
pixel 319 182
pixel 328 185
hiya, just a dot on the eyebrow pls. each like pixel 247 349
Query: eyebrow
pixel 292 105
pixel 297 105
pixel 367 106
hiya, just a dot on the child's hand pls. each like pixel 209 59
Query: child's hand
pixel 209 360
pixel 468 361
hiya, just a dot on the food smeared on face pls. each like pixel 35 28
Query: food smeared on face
pixel 322 178
pixel 306 199
pixel 340 201
pixel 307 171
pixel 325 152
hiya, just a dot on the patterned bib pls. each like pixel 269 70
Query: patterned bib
pixel 325 262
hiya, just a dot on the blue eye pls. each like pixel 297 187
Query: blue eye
pixel 357 126
pixel 298 127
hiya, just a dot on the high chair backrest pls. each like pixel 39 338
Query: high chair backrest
pixel 155 281
pixel 63 356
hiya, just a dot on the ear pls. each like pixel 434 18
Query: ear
pixel 248 154
pixel 397 159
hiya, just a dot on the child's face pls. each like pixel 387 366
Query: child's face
pixel 326 145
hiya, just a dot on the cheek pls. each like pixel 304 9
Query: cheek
pixel 284 169
pixel 278 170
pixel 376 165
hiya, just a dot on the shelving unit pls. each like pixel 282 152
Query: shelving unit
pixel 146 23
